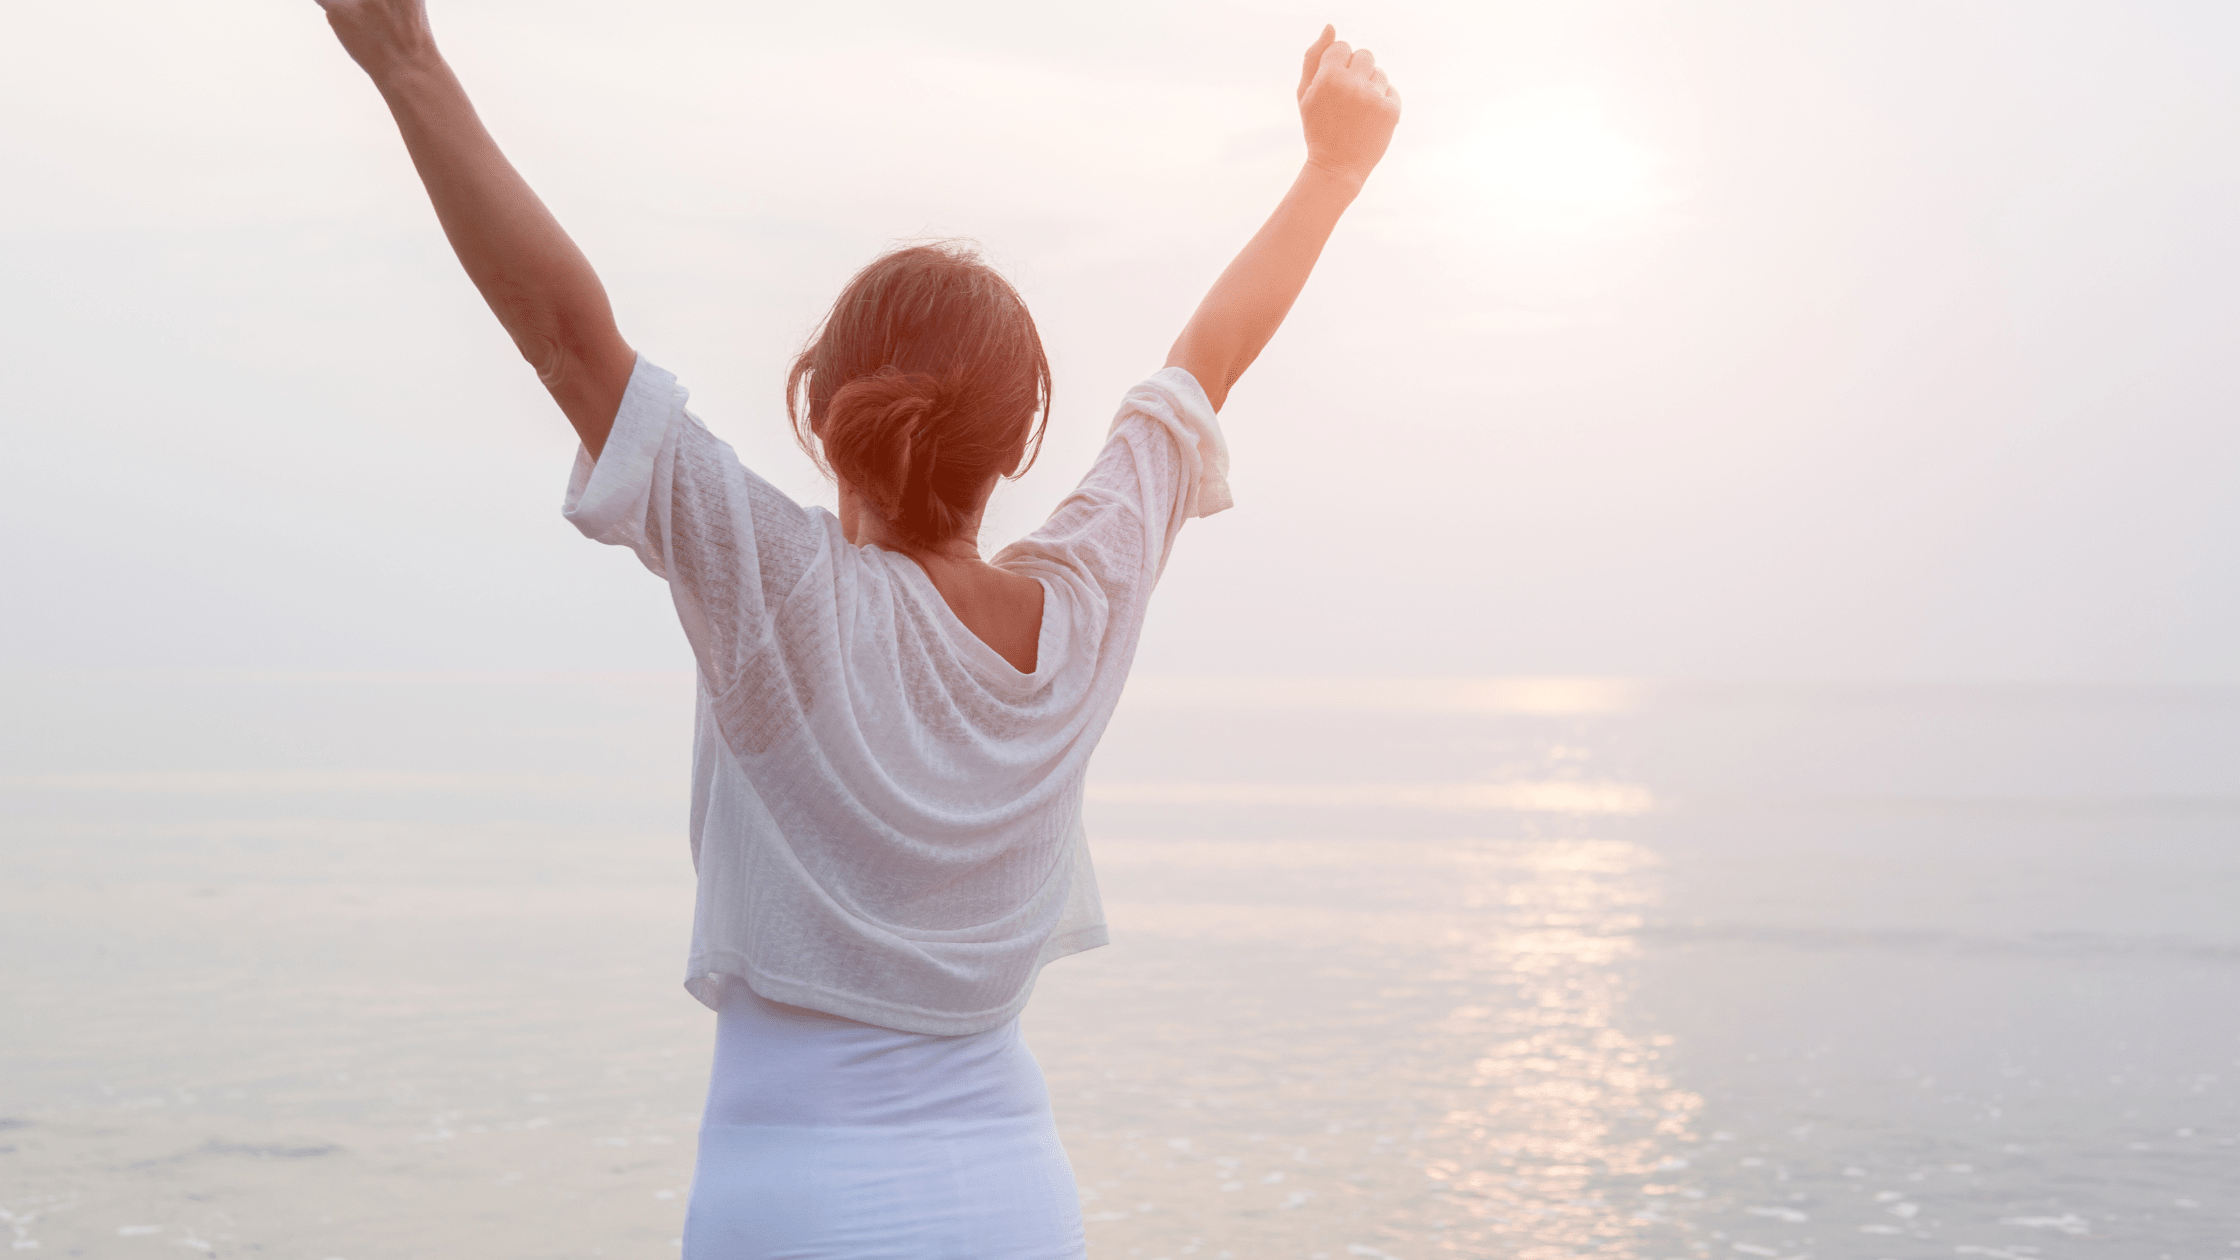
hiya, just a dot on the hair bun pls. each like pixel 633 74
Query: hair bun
pixel 883 436
pixel 926 383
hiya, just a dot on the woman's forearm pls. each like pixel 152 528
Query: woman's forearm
pixel 536 281
pixel 1248 303
pixel 1347 109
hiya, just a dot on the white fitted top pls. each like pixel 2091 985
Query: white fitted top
pixel 886 815
pixel 828 1139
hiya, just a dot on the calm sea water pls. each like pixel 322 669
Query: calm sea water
pixel 363 967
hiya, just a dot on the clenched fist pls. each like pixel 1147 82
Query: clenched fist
pixel 1348 107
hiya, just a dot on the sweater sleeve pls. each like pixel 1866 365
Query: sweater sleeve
pixel 1164 462
pixel 730 544
pixel 1172 401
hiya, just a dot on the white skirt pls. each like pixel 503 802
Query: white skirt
pixel 826 1139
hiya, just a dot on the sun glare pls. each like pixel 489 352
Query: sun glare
pixel 1553 160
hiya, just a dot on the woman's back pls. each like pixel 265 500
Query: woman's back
pixel 1002 609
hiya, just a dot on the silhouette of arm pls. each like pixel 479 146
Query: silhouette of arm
pixel 1348 110
pixel 536 281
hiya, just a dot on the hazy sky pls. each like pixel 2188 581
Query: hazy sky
pixel 1713 340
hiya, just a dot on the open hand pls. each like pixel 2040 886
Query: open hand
pixel 381 34
pixel 1347 106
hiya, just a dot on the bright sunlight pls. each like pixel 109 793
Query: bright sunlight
pixel 1552 160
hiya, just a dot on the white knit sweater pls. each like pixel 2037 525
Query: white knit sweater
pixel 886 816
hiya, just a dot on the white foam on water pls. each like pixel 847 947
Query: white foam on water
pixel 2067 1223
pixel 1790 1215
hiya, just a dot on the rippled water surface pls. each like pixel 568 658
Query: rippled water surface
pixel 332 966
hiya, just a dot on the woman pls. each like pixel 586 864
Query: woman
pixel 892 731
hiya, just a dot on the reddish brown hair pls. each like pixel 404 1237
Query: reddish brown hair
pixel 926 382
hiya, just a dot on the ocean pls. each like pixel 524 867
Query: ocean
pixel 350 967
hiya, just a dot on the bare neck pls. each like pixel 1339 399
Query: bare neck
pixel 865 527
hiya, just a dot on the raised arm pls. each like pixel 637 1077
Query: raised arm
pixel 1349 111
pixel 537 282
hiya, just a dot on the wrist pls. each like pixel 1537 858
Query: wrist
pixel 386 50
pixel 407 72
pixel 1337 178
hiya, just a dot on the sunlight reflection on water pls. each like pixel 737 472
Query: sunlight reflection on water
pixel 1571 1107
pixel 1461 1066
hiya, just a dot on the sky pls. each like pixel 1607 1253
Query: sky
pixel 1719 340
